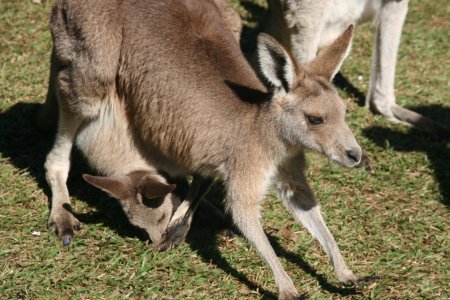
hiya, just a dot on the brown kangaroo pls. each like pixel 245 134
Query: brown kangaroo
pixel 171 77
pixel 109 148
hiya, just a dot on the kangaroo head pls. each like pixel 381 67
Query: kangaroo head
pixel 305 106
pixel 145 197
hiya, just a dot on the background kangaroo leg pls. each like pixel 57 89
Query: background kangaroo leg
pixel 299 199
pixel 389 24
pixel 181 221
pixel 381 96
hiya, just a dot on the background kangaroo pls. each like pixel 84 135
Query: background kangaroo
pixel 307 26
pixel 193 105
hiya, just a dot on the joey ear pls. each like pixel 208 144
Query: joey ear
pixel 330 59
pixel 153 188
pixel 119 187
pixel 276 65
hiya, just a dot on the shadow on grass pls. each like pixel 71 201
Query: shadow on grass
pixel 437 150
pixel 344 84
pixel 203 238
pixel 22 145
pixel 323 282
pixel 205 242
pixel 26 148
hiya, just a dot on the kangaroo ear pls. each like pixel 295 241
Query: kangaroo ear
pixel 330 59
pixel 276 65
pixel 153 188
pixel 119 186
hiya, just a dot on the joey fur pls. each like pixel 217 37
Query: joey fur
pixel 190 104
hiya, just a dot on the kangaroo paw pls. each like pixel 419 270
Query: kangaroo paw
pixel 64 225
pixel 174 235
pixel 228 232
pixel 347 277
pixel 366 280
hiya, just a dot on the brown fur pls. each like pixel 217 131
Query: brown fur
pixel 106 142
pixel 169 78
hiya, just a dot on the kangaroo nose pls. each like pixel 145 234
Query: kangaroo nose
pixel 354 154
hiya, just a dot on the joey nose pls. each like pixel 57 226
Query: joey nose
pixel 354 154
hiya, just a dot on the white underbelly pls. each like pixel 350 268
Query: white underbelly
pixel 107 144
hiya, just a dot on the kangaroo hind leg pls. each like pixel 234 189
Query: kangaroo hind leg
pixel 57 168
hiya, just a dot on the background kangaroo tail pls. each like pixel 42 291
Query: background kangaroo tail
pixel 420 122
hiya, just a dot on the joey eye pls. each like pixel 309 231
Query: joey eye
pixel 314 120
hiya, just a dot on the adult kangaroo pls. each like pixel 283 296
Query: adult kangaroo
pixel 192 105
pixel 105 140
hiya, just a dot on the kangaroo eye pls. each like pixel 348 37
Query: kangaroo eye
pixel 314 120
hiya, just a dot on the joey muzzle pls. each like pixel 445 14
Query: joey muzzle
pixel 354 154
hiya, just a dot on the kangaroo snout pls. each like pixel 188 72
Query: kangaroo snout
pixel 346 156
pixel 354 154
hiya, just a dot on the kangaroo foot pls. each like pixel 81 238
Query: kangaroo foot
pixel 228 232
pixel 360 281
pixel 292 296
pixel 366 280
pixel 346 277
pixel 64 224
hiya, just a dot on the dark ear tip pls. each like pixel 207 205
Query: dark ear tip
pixel 350 28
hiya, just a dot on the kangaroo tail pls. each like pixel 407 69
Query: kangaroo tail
pixel 420 122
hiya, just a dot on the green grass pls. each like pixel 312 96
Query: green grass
pixel 392 222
